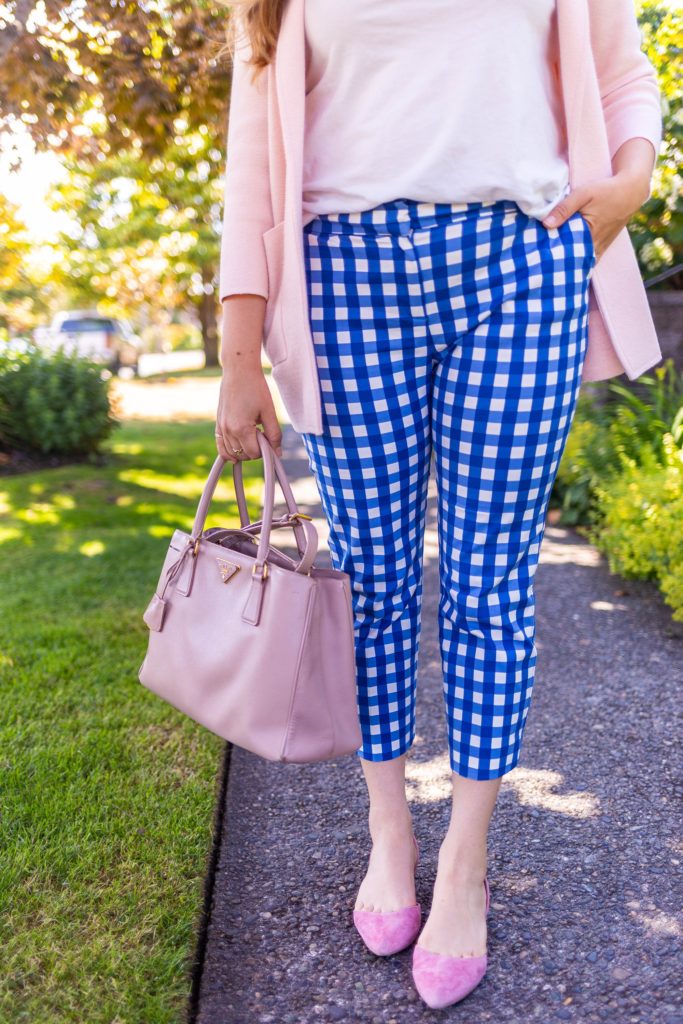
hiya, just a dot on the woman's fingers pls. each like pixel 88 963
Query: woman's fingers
pixel 224 447
pixel 244 405
pixel 238 443
pixel 271 428
pixel 241 442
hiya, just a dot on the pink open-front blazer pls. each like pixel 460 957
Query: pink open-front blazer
pixel 610 94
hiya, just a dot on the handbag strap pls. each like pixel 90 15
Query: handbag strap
pixel 273 468
pixel 307 558
pixel 280 474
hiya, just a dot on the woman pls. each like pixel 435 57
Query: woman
pixel 435 196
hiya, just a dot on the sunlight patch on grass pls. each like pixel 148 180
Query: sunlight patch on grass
pixel 63 501
pixel 91 548
pixel 160 531
pixel 8 533
pixel 119 448
pixel 183 486
pixel 188 487
pixel 40 512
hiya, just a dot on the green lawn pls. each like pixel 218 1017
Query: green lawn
pixel 106 792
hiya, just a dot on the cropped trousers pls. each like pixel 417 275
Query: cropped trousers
pixel 451 334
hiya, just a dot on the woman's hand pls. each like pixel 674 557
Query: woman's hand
pixel 609 203
pixel 245 401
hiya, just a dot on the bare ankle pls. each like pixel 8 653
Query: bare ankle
pixel 462 862
pixel 393 824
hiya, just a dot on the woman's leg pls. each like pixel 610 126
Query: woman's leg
pixel 456 925
pixel 389 882
pixel 371 466
pixel 504 397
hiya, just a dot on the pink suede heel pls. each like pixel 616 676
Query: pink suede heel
pixel 386 932
pixel 443 980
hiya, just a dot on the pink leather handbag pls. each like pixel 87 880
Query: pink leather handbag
pixel 254 645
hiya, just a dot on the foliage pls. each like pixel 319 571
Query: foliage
pixel 585 461
pixel 621 475
pixel 15 287
pixel 53 404
pixel 637 421
pixel 657 228
pixel 604 437
pixel 90 78
pixel 145 234
pixel 136 95
pixel 641 519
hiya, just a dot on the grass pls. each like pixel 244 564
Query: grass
pixel 106 792
pixel 204 371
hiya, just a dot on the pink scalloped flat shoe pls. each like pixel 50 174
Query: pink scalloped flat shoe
pixel 386 932
pixel 443 980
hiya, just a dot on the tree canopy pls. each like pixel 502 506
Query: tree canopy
pixel 92 76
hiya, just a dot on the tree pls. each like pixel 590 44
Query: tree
pixel 146 232
pixel 658 227
pixel 88 77
pixel 137 93
pixel 20 300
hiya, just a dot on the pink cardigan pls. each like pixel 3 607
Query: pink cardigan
pixel 610 94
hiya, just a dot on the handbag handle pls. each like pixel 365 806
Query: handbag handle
pixel 290 500
pixel 306 534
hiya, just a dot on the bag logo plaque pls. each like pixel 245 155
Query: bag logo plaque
pixel 227 569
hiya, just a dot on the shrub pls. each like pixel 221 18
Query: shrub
pixel 586 460
pixel 53 404
pixel 656 229
pixel 643 420
pixel 641 520
pixel 603 438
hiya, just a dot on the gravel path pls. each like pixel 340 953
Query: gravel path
pixel 585 852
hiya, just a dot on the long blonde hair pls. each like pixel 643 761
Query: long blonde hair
pixel 260 19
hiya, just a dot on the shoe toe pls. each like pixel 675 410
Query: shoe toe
pixel 387 932
pixel 443 980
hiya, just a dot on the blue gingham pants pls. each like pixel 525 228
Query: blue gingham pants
pixel 458 332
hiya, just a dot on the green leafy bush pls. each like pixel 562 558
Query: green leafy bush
pixel 603 438
pixel 640 530
pixel 586 460
pixel 640 422
pixel 656 230
pixel 621 477
pixel 53 404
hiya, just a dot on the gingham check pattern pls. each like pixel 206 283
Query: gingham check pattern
pixel 458 331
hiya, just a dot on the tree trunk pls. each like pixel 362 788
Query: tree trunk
pixel 207 318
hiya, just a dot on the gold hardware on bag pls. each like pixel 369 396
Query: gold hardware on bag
pixel 300 515
pixel 195 549
pixel 227 569
pixel 264 574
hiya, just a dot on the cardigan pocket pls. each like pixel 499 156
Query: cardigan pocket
pixel 274 342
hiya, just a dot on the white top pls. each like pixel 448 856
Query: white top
pixel 440 101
